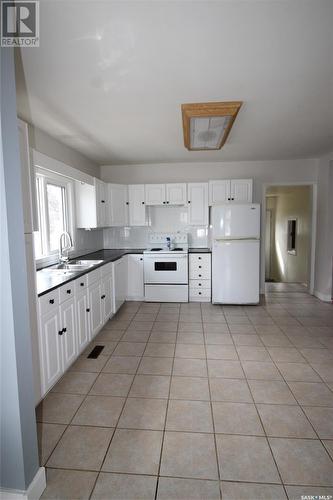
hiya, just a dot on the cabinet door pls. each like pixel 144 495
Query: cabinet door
pixel 135 277
pixel 198 203
pixel 107 298
pixel 176 194
pixel 155 194
pixel 83 321
pixel 50 342
pixel 101 202
pixel 137 207
pixel 119 282
pixel 68 338
pixel 95 306
pixel 219 192
pixel 241 190
pixel 118 205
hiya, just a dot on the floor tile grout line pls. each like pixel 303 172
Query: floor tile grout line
pixel 213 421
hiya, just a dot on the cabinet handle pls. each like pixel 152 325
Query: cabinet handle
pixel 51 301
pixel 141 258
pixel 189 201
pixel 228 199
pixel 200 267
pixel 81 284
pixel 102 201
pixel 199 275
pixel 232 199
pixel 103 296
pixel 199 284
pixel 199 258
pixel 127 202
pixel 199 293
pixel 167 202
pixel 88 310
pixel 64 330
pixel 143 202
pixel 163 202
pixel 69 291
pixel 60 332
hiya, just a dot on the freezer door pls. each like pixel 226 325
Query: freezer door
pixel 235 276
pixel 236 221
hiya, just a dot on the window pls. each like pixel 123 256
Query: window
pixel 292 233
pixel 53 207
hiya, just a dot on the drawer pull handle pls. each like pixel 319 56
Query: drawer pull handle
pixel 199 258
pixel 88 310
pixel 60 332
pixel 199 275
pixel 69 291
pixel 81 284
pixel 199 284
pixel 64 330
pixel 199 293
pixel 51 301
pixel 200 267
pixel 103 297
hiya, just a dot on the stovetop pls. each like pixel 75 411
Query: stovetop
pixel 159 250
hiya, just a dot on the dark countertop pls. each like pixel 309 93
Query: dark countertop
pixel 199 250
pixel 48 281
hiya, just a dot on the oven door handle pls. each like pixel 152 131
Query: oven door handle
pixel 173 257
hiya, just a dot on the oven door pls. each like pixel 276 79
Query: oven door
pixel 166 269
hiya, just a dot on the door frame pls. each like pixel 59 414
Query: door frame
pixel 311 272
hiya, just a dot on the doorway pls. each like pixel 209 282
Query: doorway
pixel 288 238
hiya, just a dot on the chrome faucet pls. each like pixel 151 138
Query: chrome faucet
pixel 65 244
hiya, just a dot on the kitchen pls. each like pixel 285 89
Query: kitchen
pixel 162 365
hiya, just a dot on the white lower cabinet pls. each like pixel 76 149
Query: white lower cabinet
pixel 200 277
pixel 119 282
pixel 83 320
pixel 50 349
pixel 107 297
pixel 135 288
pixel 68 328
pixel 95 306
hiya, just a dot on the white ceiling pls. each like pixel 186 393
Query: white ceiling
pixel 109 77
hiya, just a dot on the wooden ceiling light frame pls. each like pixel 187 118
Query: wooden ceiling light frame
pixel 205 110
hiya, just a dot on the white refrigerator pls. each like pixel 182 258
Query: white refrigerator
pixel 235 253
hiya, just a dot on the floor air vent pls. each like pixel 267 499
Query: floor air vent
pixel 96 352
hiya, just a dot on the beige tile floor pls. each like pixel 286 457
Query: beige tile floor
pixel 196 401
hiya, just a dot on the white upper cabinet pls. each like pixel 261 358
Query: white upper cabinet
pixel 102 202
pixel 118 214
pixel 176 194
pixel 235 190
pixel 155 194
pixel 166 194
pixel 197 203
pixel 137 206
pixel 241 190
pixel 92 204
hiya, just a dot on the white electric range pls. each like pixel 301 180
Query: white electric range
pixel 166 268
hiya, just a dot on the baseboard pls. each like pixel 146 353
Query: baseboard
pixel 322 296
pixel 135 298
pixel 34 492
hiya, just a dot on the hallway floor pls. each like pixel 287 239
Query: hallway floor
pixel 196 401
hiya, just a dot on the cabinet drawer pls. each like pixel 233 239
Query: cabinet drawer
pixel 81 284
pixel 49 302
pixel 200 284
pixel 107 269
pixel 200 272
pixel 200 258
pixel 66 292
pixel 94 276
pixel 196 293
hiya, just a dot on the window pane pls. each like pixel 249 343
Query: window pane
pixel 56 212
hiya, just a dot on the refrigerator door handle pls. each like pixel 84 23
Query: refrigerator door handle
pixel 235 239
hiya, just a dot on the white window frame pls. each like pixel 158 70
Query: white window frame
pixel 58 180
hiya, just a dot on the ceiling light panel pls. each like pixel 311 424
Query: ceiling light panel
pixel 207 125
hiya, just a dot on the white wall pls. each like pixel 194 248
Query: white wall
pixel 324 249
pixel 290 202
pixel 46 144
